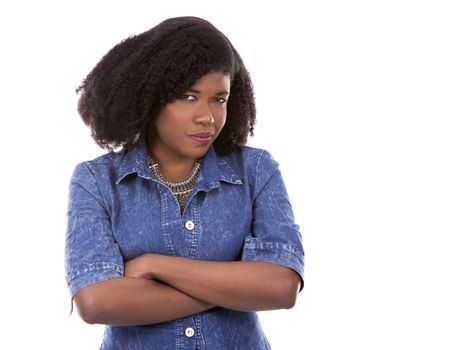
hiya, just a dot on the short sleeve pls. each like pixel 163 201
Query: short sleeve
pixel 274 237
pixel 91 253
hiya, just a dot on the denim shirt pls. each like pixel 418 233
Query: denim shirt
pixel 238 210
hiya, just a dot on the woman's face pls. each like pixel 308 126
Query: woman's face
pixel 187 126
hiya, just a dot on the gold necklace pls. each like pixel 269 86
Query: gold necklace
pixel 181 189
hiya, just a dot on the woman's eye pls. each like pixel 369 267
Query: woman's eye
pixel 220 100
pixel 188 98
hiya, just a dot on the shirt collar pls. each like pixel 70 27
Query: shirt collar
pixel 135 161
pixel 214 168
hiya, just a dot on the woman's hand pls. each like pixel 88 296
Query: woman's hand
pixel 139 267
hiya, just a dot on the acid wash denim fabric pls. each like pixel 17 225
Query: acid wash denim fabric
pixel 240 211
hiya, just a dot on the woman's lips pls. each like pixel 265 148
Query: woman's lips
pixel 202 137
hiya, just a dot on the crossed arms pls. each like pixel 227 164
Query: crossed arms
pixel 158 288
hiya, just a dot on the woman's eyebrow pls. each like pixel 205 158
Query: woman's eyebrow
pixel 217 94
pixel 222 93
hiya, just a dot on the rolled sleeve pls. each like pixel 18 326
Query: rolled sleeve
pixel 282 254
pixel 274 237
pixel 91 253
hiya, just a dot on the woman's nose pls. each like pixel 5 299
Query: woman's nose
pixel 204 115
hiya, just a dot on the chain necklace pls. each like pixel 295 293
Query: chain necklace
pixel 181 189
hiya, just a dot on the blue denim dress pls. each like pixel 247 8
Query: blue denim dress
pixel 238 210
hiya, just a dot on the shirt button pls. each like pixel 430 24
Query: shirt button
pixel 189 225
pixel 189 332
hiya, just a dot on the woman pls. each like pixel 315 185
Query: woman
pixel 178 238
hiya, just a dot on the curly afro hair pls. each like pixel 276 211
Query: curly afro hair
pixel 125 91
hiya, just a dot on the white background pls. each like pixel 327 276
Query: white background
pixel 354 101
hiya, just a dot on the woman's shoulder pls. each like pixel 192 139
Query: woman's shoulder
pixel 101 166
pixel 253 165
pixel 107 160
pixel 252 157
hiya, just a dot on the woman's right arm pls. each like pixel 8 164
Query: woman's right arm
pixel 95 267
pixel 134 301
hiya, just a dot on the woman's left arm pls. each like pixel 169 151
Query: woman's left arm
pixel 236 285
pixel 270 273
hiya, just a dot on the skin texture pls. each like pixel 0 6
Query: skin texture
pixel 237 285
pixel 201 109
pixel 157 288
pixel 134 301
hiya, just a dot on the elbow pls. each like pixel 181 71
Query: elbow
pixel 89 314
pixel 88 306
pixel 289 290
pixel 288 300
